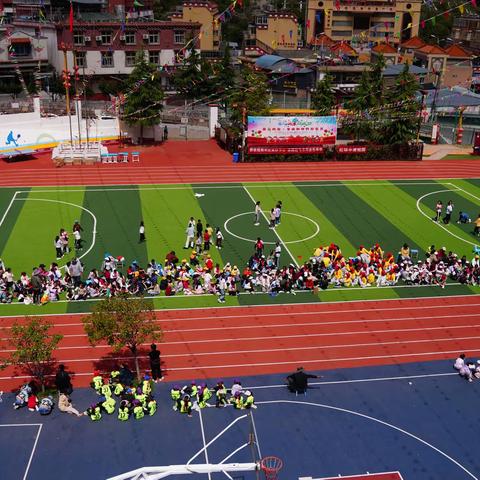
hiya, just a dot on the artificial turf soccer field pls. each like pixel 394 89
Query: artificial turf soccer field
pixel 346 213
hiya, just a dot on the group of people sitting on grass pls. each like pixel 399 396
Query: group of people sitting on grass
pixel 198 274
pixel 193 397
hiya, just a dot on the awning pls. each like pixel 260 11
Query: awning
pixel 14 41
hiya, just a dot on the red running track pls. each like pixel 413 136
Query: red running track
pixel 244 341
pixel 204 161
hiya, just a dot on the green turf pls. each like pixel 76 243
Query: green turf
pixel 349 214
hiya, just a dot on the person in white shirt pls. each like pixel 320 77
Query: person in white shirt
pixel 448 213
pixel 277 252
pixel 190 231
pixel 78 239
pixel 141 232
pixel 459 362
pixel 258 212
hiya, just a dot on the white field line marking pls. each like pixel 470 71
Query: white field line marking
pixel 335 382
pixel 33 451
pixel 201 183
pixel 438 223
pixel 295 325
pixel 377 420
pixel 8 208
pixel 20 425
pixel 200 295
pixel 265 350
pixel 231 186
pixel 468 193
pixel 285 314
pixel 274 229
pixel 360 380
pixel 94 232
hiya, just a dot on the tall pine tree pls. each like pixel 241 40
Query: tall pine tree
pixel 323 98
pixel 250 97
pixel 401 124
pixel 144 95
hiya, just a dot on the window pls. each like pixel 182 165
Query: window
pixel 130 59
pixel 153 38
pixel 107 59
pixel 106 38
pixel 179 36
pixel 78 38
pixel 154 57
pixel 21 49
pixel 261 20
pixel 341 33
pixel 130 38
pixel 81 59
pixel 342 23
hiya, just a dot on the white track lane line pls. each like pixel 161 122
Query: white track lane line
pixel 8 208
pixel 250 309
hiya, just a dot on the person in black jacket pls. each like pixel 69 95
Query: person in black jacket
pixel 155 367
pixel 126 376
pixel 298 382
pixel 62 381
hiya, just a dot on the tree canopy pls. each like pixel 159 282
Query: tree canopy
pixel 250 97
pixel 34 347
pixel 123 322
pixel 143 95
pixel 323 98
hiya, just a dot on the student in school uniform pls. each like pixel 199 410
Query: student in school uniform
pixel 258 212
pixel 273 218
pixel 218 238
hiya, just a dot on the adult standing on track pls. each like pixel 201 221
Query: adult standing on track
pixel 62 381
pixel 155 364
pixel 258 212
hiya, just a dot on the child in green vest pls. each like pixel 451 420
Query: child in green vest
pixel 124 410
pixel 138 410
pixel 151 405
pixel 109 405
pixel 94 412
pixel 97 382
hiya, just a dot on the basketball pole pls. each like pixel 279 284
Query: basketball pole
pixel 252 440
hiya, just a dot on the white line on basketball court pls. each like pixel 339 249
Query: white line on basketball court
pixel 374 419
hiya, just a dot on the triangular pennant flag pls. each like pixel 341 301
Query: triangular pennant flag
pixel 433 20
pixel 409 26
pixel 308 24
pixel 422 23
pixel 446 14
pixel 474 3
pixel 461 8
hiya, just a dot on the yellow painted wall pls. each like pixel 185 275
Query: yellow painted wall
pixel 277 33
pixel 204 16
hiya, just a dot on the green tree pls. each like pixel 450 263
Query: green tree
pixel 144 95
pixel 437 30
pixel 123 322
pixel 403 110
pixel 195 77
pixel 250 97
pixel 366 106
pixel 224 77
pixel 34 347
pixel 323 98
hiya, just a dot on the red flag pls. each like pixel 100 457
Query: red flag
pixel 308 24
pixel 71 17
pixel 446 14
pixel 474 3
pixel 422 23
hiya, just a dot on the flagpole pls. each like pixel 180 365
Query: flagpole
pixel 67 93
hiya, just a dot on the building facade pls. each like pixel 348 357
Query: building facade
pixel 271 31
pixel 204 13
pixel 363 21
pixel 110 48
pixel 466 30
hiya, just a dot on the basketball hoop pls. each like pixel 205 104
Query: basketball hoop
pixel 271 466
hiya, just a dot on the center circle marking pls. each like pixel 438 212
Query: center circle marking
pixel 317 228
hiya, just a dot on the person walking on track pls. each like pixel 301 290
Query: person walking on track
pixel 155 365
pixel 258 212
